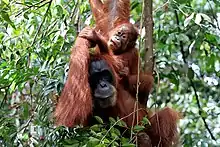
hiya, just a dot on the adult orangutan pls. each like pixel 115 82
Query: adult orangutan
pixel 75 103
pixel 78 101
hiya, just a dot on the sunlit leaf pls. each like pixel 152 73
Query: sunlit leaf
pixel 206 17
pixel 198 19
pixel 188 19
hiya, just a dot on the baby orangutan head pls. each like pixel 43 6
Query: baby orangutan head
pixel 122 37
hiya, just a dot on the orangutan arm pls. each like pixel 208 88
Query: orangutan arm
pixel 95 38
pixel 145 85
pixel 146 80
pixel 75 103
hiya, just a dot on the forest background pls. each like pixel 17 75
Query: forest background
pixel 35 42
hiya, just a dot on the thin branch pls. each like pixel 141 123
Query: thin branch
pixel 200 110
pixel 119 121
pixel 138 74
pixel 74 10
pixel 29 6
pixel 38 30
pixel 166 3
pixel 5 96
pixel 181 42
pixel 22 10
pixel 192 83
pixel 29 121
pixel 213 15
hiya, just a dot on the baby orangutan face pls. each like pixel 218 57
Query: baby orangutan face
pixel 122 37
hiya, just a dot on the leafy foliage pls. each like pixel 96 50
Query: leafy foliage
pixel 35 41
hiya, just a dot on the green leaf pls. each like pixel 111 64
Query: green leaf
pixel 25 110
pixel 5 16
pixel 12 87
pixel 138 128
pixel 112 120
pixel 95 128
pixel 6 1
pixel 25 136
pixel 198 19
pixel 93 142
pixel 106 140
pixel 188 19
pixel 190 73
pixel 206 17
pixel 115 144
pixel 121 123
pixel 204 114
pixel 70 141
pixel 99 119
pixel 145 121
pixel 212 38
pixel 26 15
pixel 128 145
pixel 100 145
pixel 59 10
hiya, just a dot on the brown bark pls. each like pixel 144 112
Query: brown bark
pixel 148 46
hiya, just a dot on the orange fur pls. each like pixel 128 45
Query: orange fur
pixel 75 103
pixel 166 119
pixel 163 130
pixel 108 16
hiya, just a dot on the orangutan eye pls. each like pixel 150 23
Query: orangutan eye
pixel 124 36
pixel 119 33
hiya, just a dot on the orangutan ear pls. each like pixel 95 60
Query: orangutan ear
pixel 136 24
pixel 137 29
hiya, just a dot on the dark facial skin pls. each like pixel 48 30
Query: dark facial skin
pixel 122 38
pixel 102 84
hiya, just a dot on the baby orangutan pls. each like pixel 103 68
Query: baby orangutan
pixel 121 45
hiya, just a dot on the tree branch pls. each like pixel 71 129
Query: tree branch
pixel 148 45
pixel 38 30
pixel 192 83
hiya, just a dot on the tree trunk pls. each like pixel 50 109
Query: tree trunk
pixel 148 46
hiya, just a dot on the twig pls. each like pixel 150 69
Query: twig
pixel 181 42
pixel 138 75
pixel 29 7
pixel 5 96
pixel 162 6
pixel 118 121
pixel 200 110
pixel 112 141
pixel 213 15
pixel 38 30
pixel 28 122
pixel 192 83
pixel 74 10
